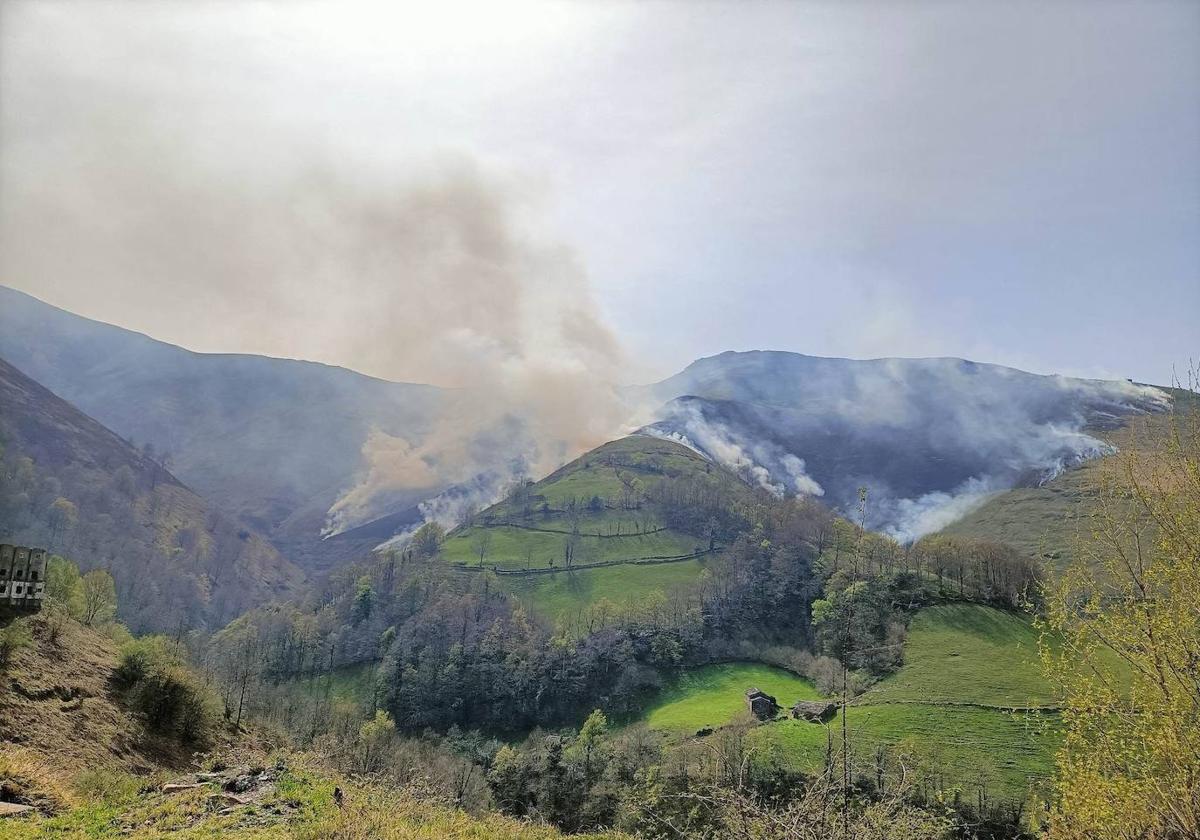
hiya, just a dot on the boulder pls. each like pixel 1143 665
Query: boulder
pixel 13 809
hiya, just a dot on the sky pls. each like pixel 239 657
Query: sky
pixel 410 189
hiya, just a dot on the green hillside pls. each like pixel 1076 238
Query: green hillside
pixel 956 708
pixel 960 709
pixel 713 695
pixel 618 523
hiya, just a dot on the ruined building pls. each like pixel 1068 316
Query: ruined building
pixel 22 578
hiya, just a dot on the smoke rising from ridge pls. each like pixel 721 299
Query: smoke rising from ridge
pixel 930 439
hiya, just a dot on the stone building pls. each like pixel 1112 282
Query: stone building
pixel 814 711
pixel 761 704
pixel 22 577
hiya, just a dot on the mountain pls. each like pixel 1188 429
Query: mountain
pixel 273 441
pixel 74 486
pixel 929 438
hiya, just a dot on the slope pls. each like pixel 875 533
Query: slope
pixel 927 437
pixel 632 517
pixel 80 490
pixel 1049 520
pixel 271 440
pixel 71 750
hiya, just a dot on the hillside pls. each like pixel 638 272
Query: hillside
pixel 631 517
pixel 272 441
pixel 929 438
pixel 58 710
pixel 71 750
pixel 969 708
pixel 1048 521
pixel 77 488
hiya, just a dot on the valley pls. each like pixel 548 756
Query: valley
pixel 615 610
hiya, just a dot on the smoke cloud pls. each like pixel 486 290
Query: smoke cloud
pixel 483 305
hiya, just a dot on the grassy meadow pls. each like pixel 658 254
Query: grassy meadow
pixel 713 695
pixel 952 710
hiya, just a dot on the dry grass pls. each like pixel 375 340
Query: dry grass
pixel 58 708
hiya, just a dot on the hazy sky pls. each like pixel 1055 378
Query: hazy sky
pixel 1008 182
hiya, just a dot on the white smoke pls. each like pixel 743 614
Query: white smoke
pixel 750 459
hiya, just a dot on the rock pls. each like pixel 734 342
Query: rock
pixel 13 809
pixel 227 799
pixel 177 787
pixel 240 784
pixel 814 711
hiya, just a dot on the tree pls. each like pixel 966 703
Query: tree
pixel 1128 666
pixel 374 737
pixel 592 736
pixel 62 517
pixel 65 585
pixel 427 541
pixel 364 599
pixel 482 542
pixel 99 597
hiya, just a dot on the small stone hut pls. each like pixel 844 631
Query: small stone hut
pixel 761 704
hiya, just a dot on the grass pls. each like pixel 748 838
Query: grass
pixel 967 653
pixel 609 532
pixel 513 547
pixel 954 746
pixel 713 695
pixel 949 710
pixel 566 593
pixel 347 684
pixel 301 807
pixel 1051 520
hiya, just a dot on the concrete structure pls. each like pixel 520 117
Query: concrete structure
pixel 22 578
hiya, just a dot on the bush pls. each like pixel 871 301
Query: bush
pixel 158 686
pixel 12 638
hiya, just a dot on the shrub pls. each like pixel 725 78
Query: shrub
pixel 12 638
pixel 158 686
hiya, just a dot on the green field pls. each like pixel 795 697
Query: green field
pixel 948 710
pixel 515 547
pixel 962 746
pixel 565 593
pixel 713 695
pixel 967 653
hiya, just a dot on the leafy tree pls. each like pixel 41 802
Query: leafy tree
pixel 65 585
pixel 374 738
pixel 427 541
pixel 1129 663
pixel 99 597
pixel 157 684
pixel 62 517
pixel 364 599
pixel 592 737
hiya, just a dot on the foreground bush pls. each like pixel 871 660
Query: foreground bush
pixel 159 687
